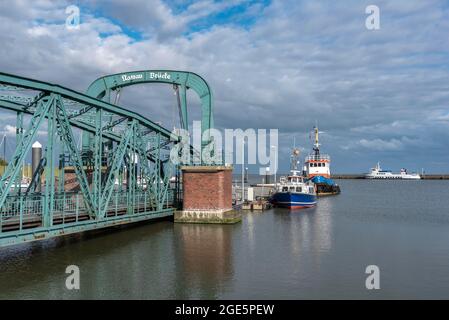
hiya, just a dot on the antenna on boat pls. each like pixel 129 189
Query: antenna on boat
pixel 316 132
pixel 316 145
pixel 295 156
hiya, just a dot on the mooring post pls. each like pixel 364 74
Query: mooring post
pixel 36 156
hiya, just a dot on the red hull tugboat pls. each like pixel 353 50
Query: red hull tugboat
pixel 317 169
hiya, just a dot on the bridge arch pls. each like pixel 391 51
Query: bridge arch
pixel 102 88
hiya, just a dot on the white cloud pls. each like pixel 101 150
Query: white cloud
pixel 381 145
pixel 300 62
pixel 9 130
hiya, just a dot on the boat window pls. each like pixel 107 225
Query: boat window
pixel 319 164
pixel 292 188
pixel 298 189
pixel 285 189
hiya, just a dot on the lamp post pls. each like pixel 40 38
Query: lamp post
pixel 267 175
pixel 275 165
pixel 263 183
pixel 243 170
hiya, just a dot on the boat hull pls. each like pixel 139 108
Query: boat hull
pixel 393 177
pixel 325 186
pixel 323 189
pixel 293 200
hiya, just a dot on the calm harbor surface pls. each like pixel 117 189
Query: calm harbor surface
pixel 319 253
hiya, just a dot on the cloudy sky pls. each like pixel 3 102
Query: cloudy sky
pixel 377 94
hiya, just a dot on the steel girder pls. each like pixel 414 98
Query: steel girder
pixel 58 111
pixel 82 99
pixel 181 80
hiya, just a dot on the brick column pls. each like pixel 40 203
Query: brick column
pixel 207 195
pixel 71 182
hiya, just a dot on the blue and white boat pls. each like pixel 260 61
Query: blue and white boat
pixel 293 191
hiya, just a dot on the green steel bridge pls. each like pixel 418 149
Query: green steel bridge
pixel 119 174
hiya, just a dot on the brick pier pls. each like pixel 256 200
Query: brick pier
pixel 207 195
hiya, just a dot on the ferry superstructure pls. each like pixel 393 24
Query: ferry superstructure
pixel 378 173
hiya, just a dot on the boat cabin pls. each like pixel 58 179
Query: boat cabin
pixel 294 184
pixel 317 165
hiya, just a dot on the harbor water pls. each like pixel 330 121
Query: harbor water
pixel 318 253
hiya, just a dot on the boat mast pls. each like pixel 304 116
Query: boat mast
pixel 294 156
pixel 316 145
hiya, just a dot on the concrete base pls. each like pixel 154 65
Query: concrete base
pixel 208 216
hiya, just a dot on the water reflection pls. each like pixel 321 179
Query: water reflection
pixel 322 224
pixel 316 253
pixel 250 223
pixel 309 229
pixel 204 261
pixel 106 260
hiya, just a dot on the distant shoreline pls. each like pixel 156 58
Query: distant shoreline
pixel 354 176
pixel 362 176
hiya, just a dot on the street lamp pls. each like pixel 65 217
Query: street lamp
pixel 275 165
pixel 263 183
pixel 243 170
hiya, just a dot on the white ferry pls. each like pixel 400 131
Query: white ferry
pixel 378 173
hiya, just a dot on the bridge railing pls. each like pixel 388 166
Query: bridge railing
pixel 22 211
pixel 15 206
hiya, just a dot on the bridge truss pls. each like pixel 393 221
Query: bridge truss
pixel 124 177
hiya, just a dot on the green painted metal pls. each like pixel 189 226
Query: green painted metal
pixel 18 157
pixel 66 133
pixel 98 159
pixel 67 229
pixel 90 197
pixel 181 81
pixel 74 96
pixel 185 80
pixel 19 135
pixel 117 163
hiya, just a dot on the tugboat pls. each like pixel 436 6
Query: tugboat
pixel 317 169
pixel 294 192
